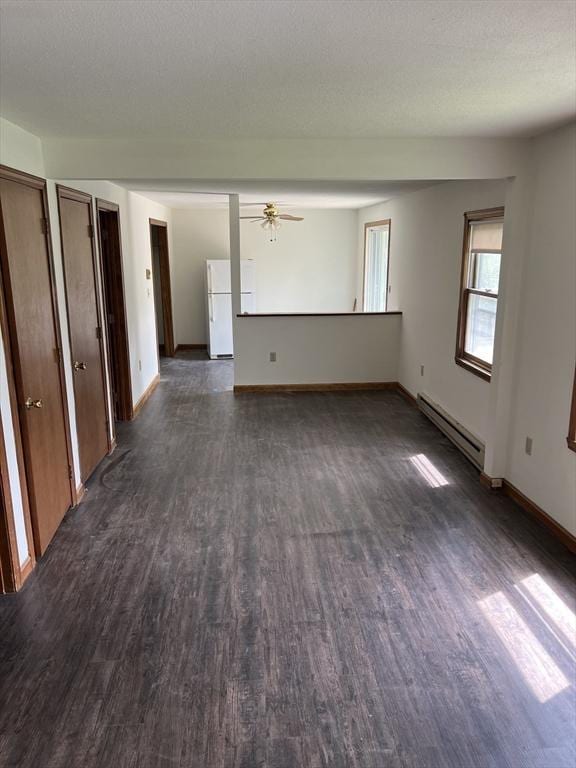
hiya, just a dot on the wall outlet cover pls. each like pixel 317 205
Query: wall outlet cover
pixel 272 357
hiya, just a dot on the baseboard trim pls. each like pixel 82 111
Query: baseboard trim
pixel 530 507
pixel 190 346
pixel 406 395
pixel 145 395
pixel 333 387
pixel 537 512
pixel 492 483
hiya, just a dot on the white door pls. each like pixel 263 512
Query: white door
pixel 248 303
pixel 220 321
pixel 218 276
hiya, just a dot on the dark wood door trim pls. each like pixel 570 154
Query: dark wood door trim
pixel 63 192
pixel 165 285
pixel 11 572
pixel 125 407
pixel 12 355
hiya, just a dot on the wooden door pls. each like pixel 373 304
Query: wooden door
pixel 35 352
pixel 159 245
pixel 86 342
pixel 115 308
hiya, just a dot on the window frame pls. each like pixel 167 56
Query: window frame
pixel 571 439
pixel 462 358
pixel 370 225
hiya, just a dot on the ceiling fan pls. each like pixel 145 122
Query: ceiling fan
pixel 271 218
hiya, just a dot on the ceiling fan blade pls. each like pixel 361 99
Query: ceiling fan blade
pixel 290 218
pixel 253 218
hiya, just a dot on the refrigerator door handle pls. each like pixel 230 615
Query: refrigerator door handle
pixel 209 278
pixel 211 307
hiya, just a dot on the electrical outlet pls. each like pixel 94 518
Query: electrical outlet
pixel 421 370
pixel 528 446
pixel 272 357
pixel 139 365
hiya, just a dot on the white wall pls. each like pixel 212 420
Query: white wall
pixel 426 234
pixel 20 149
pixel 23 151
pixel 547 337
pixel 312 265
pixel 310 268
pixel 197 235
pixel 317 350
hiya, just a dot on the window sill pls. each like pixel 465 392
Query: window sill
pixel 571 443
pixel 475 369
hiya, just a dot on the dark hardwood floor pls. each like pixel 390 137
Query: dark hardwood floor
pixel 289 581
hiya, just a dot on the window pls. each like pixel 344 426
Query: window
pixel 571 439
pixel 376 252
pixel 481 258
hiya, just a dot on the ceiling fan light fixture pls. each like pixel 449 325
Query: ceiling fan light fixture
pixel 271 224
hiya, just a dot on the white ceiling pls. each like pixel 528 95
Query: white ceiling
pixel 288 194
pixel 296 68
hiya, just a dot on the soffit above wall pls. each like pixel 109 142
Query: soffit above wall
pixel 289 194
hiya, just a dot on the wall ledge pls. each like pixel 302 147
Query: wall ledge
pixel 317 314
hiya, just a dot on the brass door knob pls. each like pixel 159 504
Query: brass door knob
pixel 79 366
pixel 30 403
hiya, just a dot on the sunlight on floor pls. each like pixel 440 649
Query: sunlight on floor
pixel 543 599
pixel 538 669
pixel 433 477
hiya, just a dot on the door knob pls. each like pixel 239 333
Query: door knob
pixel 79 366
pixel 30 403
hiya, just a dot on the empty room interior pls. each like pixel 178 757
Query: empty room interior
pixel 287 384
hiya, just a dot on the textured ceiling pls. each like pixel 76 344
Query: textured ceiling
pixel 290 194
pixel 295 68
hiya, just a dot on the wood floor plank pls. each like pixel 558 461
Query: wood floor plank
pixel 269 581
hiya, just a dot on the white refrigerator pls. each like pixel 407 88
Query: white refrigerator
pixel 219 303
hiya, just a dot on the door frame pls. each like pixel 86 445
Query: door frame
pixel 165 285
pixel 12 574
pixel 68 193
pixel 374 225
pixel 15 390
pixel 120 327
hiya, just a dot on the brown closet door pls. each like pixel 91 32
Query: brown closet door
pixel 85 330
pixel 34 345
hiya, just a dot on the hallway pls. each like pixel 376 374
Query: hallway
pixel 288 581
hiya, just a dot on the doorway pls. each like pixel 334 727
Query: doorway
pixel 109 236
pixel 376 266
pixel 33 349
pixel 85 327
pixel 162 289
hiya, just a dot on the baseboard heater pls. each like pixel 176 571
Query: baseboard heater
pixel 469 444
